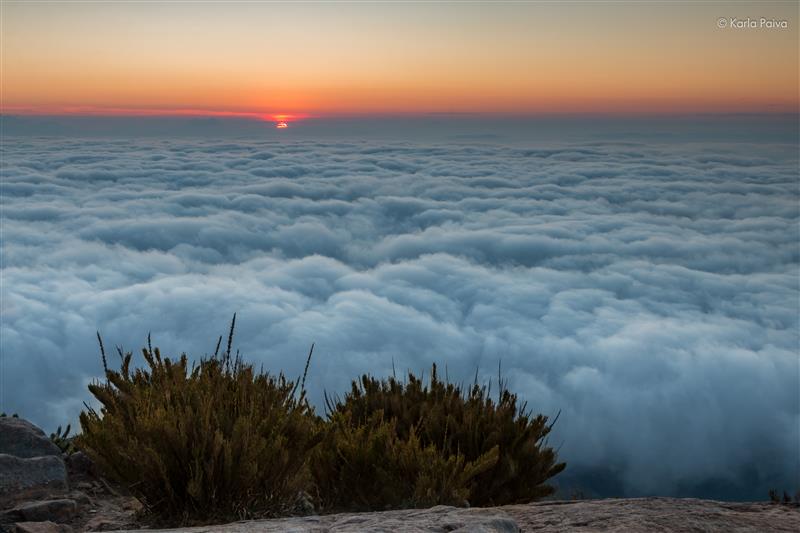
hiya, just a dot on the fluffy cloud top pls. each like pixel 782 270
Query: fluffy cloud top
pixel 648 291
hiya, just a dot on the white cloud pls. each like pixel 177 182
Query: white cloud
pixel 648 291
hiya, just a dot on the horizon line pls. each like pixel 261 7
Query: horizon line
pixel 294 117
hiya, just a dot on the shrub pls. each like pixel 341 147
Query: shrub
pixel 213 441
pixel 62 439
pixel 494 452
pixel 775 497
pixel 217 441
pixel 370 465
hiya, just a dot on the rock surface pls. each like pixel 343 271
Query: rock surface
pixel 20 438
pixel 30 477
pixel 62 510
pixel 41 527
pixel 35 481
pixel 618 515
pixel 655 514
pixel 436 519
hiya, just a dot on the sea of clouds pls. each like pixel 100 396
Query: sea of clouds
pixel 647 291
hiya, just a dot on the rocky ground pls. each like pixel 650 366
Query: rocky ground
pixel 43 490
pixel 622 515
pixel 655 514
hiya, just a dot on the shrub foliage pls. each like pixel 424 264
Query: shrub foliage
pixel 473 447
pixel 372 465
pixel 62 439
pixel 216 440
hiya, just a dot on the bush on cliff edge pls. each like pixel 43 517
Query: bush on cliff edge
pixel 213 441
pixel 495 452
pixel 218 441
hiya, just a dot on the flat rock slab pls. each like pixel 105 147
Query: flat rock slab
pixel 655 514
pixel 440 519
pixel 30 477
pixel 21 438
pixel 42 511
pixel 40 527
pixel 618 515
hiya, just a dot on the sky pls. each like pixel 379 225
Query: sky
pixel 357 58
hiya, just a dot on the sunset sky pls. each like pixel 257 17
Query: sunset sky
pixel 265 58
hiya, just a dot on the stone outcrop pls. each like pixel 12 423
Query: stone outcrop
pixel 655 514
pixel 42 527
pixel 30 464
pixel 619 515
pixel 20 438
pixel 33 480
pixel 45 491
pixel 61 510
pixel 30 477
pixel 436 519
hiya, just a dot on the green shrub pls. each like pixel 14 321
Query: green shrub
pixel 213 441
pixel 444 421
pixel 775 497
pixel 370 466
pixel 218 441
pixel 62 439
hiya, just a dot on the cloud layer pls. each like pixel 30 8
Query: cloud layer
pixel 648 291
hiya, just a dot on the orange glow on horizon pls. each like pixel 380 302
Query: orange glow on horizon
pixel 213 60
pixel 146 112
